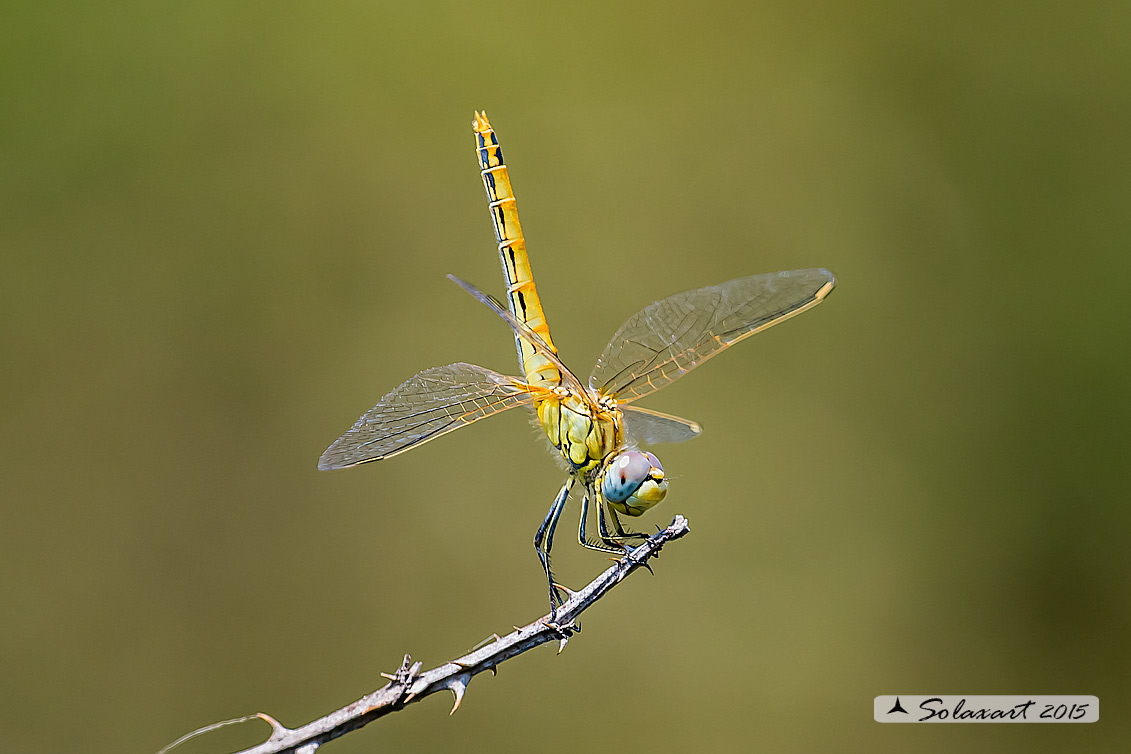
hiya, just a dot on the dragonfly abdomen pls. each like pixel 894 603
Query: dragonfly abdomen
pixel 522 296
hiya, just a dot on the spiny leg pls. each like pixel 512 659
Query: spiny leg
pixel 546 534
pixel 606 545
pixel 619 533
pixel 559 502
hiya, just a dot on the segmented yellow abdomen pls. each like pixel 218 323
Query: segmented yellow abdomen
pixel 522 296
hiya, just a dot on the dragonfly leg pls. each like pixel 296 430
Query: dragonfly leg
pixel 619 532
pixel 606 545
pixel 616 539
pixel 544 540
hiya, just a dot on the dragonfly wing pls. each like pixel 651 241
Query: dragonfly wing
pixel 423 407
pixel 523 331
pixel 650 427
pixel 666 340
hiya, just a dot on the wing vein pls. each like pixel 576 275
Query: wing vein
pixel 423 407
pixel 669 338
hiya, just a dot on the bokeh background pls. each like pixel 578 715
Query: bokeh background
pixel 225 230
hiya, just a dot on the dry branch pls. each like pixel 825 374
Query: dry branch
pixel 409 685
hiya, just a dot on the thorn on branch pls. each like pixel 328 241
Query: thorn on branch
pixel 458 686
pixel 563 631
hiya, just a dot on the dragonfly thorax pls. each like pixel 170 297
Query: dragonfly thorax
pixel 584 437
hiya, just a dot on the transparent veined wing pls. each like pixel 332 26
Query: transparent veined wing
pixel 523 331
pixel 666 340
pixel 428 404
pixel 643 425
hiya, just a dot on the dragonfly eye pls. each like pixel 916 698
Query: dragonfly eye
pixel 634 481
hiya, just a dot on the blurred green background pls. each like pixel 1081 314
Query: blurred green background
pixel 225 230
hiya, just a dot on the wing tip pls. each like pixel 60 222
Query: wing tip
pixel 333 459
pixel 326 464
pixel 830 283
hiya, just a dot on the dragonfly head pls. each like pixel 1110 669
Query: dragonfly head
pixel 633 481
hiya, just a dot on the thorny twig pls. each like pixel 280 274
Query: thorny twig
pixel 409 685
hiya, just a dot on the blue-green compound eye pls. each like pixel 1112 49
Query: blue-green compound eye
pixel 627 472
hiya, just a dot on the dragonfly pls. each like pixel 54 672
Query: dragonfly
pixel 595 426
